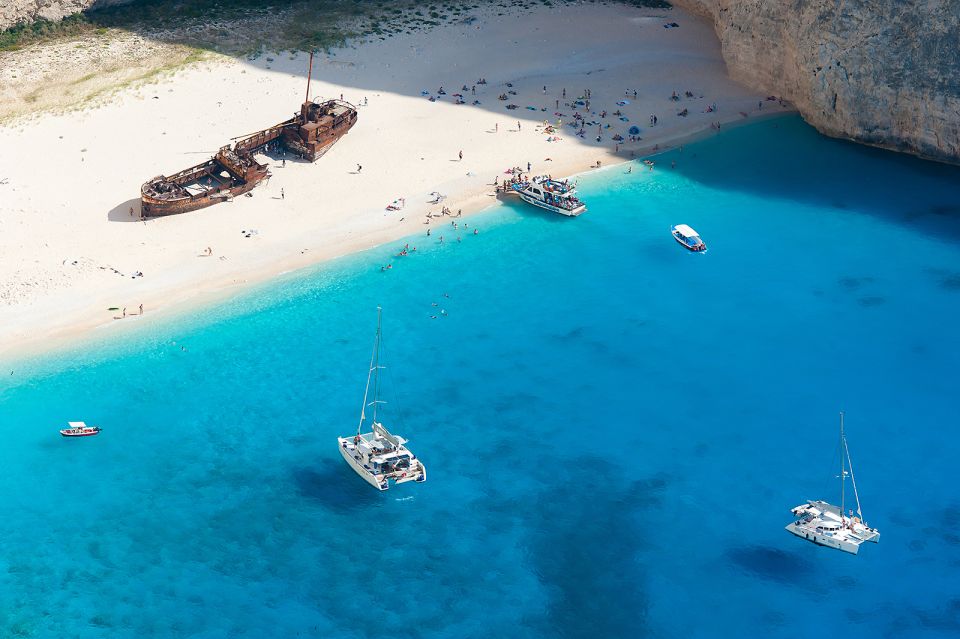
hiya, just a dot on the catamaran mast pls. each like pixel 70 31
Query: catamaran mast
pixel 376 369
pixel 853 480
pixel 843 469
pixel 374 364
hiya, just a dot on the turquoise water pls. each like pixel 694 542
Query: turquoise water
pixel 615 429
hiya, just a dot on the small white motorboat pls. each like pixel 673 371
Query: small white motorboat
pixel 688 238
pixel 79 429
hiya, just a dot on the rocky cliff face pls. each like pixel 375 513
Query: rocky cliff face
pixel 880 72
pixel 16 11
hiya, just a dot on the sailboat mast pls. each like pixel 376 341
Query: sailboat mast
pixel 853 480
pixel 373 365
pixel 843 447
pixel 376 369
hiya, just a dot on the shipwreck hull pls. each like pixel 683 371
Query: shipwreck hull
pixel 225 176
pixel 153 207
pixel 318 127
pixel 234 171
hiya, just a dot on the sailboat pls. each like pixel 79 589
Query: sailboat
pixel 379 456
pixel 826 524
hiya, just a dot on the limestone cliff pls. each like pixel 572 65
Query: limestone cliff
pixel 13 12
pixel 880 72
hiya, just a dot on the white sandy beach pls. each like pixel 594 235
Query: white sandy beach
pixel 70 247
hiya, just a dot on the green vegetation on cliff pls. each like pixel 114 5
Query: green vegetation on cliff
pixel 238 26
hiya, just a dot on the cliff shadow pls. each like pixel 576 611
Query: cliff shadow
pixel 766 158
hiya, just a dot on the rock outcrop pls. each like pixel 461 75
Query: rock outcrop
pixel 13 12
pixel 880 72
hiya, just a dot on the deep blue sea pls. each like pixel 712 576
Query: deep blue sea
pixel 614 429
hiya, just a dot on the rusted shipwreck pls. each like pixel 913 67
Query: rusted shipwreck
pixel 234 170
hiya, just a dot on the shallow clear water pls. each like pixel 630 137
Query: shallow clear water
pixel 615 429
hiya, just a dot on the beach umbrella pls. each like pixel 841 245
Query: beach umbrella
pixel 634 130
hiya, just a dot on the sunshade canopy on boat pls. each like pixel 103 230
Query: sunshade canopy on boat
pixel 685 230
pixel 77 424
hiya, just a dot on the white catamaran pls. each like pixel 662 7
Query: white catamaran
pixel 379 456
pixel 825 524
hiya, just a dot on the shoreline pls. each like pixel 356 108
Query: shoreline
pixel 303 240
pixel 214 293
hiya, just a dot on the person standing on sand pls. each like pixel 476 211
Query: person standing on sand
pixel 461 156
pixel 496 127
pixel 282 195
pixel 124 311
pixel 359 168
pixel 518 126
pixel 141 309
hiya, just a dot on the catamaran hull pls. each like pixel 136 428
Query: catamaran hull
pixel 823 540
pixel 555 209
pixel 357 465
pixel 418 474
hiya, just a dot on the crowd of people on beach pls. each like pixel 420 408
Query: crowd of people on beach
pixel 583 112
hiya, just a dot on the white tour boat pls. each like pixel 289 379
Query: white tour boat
pixel 688 238
pixel 549 194
pixel 826 524
pixel 379 456
pixel 79 429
